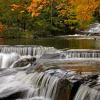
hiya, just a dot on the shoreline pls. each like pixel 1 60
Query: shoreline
pixel 61 36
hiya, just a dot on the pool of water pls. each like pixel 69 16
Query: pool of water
pixel 58 42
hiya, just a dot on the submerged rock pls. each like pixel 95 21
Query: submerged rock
pixel 53 56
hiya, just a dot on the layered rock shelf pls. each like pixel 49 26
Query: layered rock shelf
pixel 42 73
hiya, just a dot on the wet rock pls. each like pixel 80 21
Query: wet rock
pixel 87 93
pixel 64 90
pixel 14 96
pixel 22 62
pixel 53 56
pixel 74 89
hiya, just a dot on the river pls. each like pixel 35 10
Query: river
pixel 57 42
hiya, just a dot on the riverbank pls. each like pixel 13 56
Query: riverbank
pixel 77 36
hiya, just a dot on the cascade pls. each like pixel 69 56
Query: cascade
pixel 7 59
pixel 83 53
pixel 50 52
pixel 94 28
pixel 28 50
pixel 20 79
pixel 87 93
pixel 32 86
pixel 29 84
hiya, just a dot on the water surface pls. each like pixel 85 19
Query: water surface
pixel 58 42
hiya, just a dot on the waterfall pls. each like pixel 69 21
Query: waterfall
pixel 28 50
pixel 50 52
pixel 94 28
pixel 83 53
pixel 14 60
pixel 7 59
pixel 20 78
pixel 72 55
pixel 34 86
pixel 87 93
pixel 31 86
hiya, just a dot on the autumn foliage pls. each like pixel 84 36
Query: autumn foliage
pixel 36 6
pixel 15 7
pixel 83 9
pixel 1 27
pixel 47 16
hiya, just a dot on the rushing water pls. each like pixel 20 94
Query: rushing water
pixel 32 86
pixel 94 28
pixel 87 93
pixel 24 75
pixel 35 86
pixel 28 50
pixel 22 84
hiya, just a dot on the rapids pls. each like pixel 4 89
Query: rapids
pixel 28 73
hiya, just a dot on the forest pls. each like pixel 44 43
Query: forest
pixel 46 18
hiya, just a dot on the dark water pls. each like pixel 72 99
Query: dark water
pixel 58 42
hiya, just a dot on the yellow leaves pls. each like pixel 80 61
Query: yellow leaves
pixel 63 12
pixel 36 6
pixel 60 6
pixel 84 13
pixel 64 8
pixel 15 6
pixel 85 8
pixel 22 11
pixel 1 27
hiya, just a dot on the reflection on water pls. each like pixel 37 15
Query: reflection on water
pixel 55 42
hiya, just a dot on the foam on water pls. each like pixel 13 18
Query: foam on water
pixel 39 85
pixel 28 50
pixel 7 59
pixel 35 86
pixel 95 28
pixel 87 93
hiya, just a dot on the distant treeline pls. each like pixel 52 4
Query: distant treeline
pixel 43 18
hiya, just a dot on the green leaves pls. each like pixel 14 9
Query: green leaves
pixel 49 16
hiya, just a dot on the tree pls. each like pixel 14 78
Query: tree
pixel 71 12
pixel 1 27
pixel 85 9
pixel 54 17
pixel 36 6
pixel 58 13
